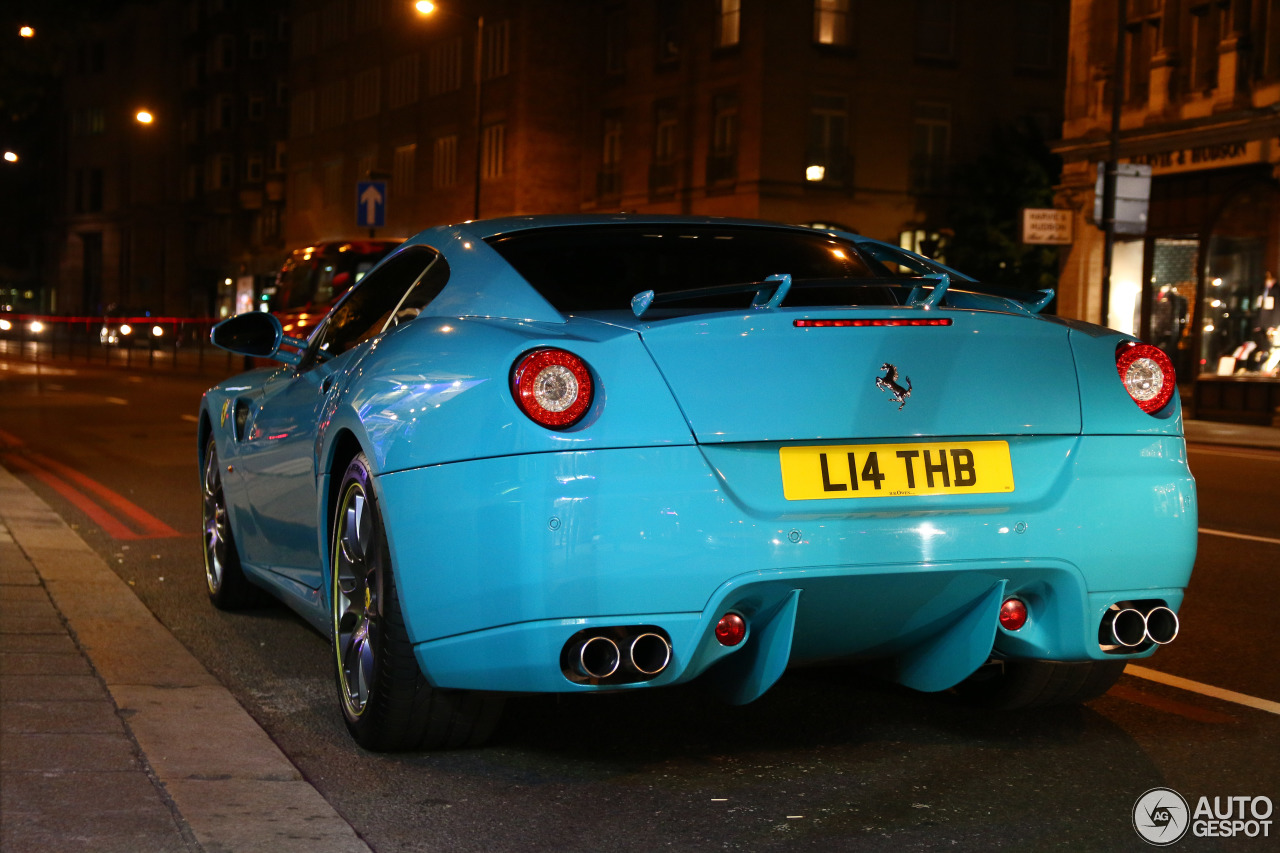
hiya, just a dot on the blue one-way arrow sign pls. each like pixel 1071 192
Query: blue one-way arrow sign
pixel 371 204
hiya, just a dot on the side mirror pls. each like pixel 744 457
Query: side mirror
pixel 257 334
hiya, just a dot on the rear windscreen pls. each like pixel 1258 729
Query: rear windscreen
pixel 595 268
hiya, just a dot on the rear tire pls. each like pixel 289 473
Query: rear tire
pixel 227 585
pixel 1038 683
pixel 386 702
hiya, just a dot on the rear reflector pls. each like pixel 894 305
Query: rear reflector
pixel 826 324
pixel 1013 614
pixel 731 629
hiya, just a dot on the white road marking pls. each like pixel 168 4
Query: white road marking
pixel 1204 689
pixel 1210 532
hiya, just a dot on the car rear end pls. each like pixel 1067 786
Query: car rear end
pixel 859 469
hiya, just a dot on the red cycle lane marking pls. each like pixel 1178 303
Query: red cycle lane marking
pixel 152 527
pixel 56 475
pixel 109 524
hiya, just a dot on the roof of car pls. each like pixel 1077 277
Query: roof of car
pixel 486 228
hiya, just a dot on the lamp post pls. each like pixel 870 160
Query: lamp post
pixel 424 8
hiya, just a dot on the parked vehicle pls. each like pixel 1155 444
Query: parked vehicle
pixel 579 454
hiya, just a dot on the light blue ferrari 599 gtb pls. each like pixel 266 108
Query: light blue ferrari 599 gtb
pixel 568 454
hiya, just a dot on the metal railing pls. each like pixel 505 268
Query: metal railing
pixel 179 343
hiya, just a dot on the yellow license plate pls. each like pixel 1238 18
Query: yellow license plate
pixel 895 470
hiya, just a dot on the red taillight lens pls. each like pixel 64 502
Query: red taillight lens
pixel 731 629
pixel 1147 375
pixel 552 386
pixel 1013 614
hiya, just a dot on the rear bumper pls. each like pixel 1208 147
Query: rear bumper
pixel 500 561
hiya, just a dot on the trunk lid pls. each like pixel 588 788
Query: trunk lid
pixel 741 377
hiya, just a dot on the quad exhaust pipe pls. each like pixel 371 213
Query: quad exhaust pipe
pixel 1130 626
pixel 616 655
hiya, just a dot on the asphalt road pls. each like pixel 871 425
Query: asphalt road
pixel 827 759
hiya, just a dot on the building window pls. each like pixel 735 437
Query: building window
pixel 368 14
pixel 367 93
pixel 609 182
pixel 402 85
pixel 615 41
pixel 444 162
pixel 666 130
pixel 333 27
pixel 722 165
pixel 221 172
pixel 668 30
pixel 257 44
pixel 403 167
pixel 304 35
pixel 195 180
pixel 729 22
pixel 831 22
pixel 223 112
pixel 281 157
pixel 1033 35
pixel 94 196
pixel 936 29
pixel 930 147
pixel 493 151
pixel 333 104
pixel 827 156
pixel 302 117
pixel 497 49
pixel 332 181
pixel 444 66
pixel 1206 32
pixel 257 107
pixel 224 53
pixel 253 168
pixel 1142 37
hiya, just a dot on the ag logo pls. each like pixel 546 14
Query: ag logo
pixel 1161 816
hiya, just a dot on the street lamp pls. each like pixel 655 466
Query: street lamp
pixel 10 157
pixel 424 8
pixel 27 32
pixel 144 117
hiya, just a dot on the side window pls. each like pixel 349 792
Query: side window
pixel 377 301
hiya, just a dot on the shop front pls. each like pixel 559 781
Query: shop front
pixel 1199 283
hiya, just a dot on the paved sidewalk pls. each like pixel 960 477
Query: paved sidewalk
pixel 112 736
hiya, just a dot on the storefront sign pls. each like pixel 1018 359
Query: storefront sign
pixel 1046 226
pixel 1202 157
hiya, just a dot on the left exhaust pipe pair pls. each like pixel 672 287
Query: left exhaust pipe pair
pixel 621 655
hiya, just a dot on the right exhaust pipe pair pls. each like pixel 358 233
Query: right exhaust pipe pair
pixel 1131 627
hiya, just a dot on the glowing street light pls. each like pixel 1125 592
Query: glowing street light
pixel 27 32
pixel 144 117
pixel 10 157
pixel 424 7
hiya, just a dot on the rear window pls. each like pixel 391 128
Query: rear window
pixel 599 268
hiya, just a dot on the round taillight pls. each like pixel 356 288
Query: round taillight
pixel 1147 374
pixel 1013 614
pixel 731 629
pixel 552 386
